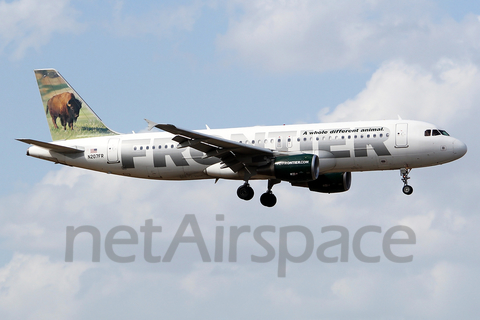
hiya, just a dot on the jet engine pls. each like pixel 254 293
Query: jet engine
pixel 331 182
pixel 294 168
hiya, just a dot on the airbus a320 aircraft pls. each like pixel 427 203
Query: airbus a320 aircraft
pixel 318 156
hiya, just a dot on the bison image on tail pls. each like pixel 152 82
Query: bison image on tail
pixel 64 106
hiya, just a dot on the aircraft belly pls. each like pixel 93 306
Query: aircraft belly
pixel 367 160
pixel 342 164
pixel 196 171
pixel 152 172
pixel 168 172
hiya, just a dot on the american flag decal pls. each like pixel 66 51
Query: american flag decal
pixel 93 150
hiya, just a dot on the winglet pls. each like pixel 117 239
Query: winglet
pixel 151 124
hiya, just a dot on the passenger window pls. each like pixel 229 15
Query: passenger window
pixel 427 133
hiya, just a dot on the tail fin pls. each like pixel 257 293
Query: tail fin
pixel 70 117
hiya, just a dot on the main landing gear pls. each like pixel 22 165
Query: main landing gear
pixel 407 189
pixel 268 199
pixel 245 192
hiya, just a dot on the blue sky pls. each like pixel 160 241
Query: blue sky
pixel 231 64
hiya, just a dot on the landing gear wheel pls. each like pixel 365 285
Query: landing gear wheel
pixel 245 192
pixel 408 190
pixel 268 199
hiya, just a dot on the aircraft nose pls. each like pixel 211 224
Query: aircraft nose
pixel 459 148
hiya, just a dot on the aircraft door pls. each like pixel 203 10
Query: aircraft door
pixel 279 142
pixel 401 135
pixel 112 151
pixel 289 142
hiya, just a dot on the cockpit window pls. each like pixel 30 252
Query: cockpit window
pixel 427 132
pixel 443 132
pixel 435 132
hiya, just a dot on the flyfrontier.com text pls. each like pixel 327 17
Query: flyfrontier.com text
pixel 189 225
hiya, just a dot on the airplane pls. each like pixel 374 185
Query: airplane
pixel 318 156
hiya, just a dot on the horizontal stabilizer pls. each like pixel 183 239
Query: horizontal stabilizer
pixel 52 146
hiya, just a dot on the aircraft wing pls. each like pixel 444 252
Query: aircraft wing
pixel 233 154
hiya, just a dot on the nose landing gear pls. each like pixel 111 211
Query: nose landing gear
pixel 407 189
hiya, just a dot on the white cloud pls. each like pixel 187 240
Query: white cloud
pixel 317 36
pixel 444 95
pixel 32 287
pixel 203 281
pixel 26 24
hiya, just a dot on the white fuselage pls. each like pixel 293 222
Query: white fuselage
pixel 341 147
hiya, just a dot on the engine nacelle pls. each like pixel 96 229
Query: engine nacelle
pixel 294 168
pixel 331 182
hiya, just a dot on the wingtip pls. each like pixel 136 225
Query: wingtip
pixel 151 124
pixel 23 140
